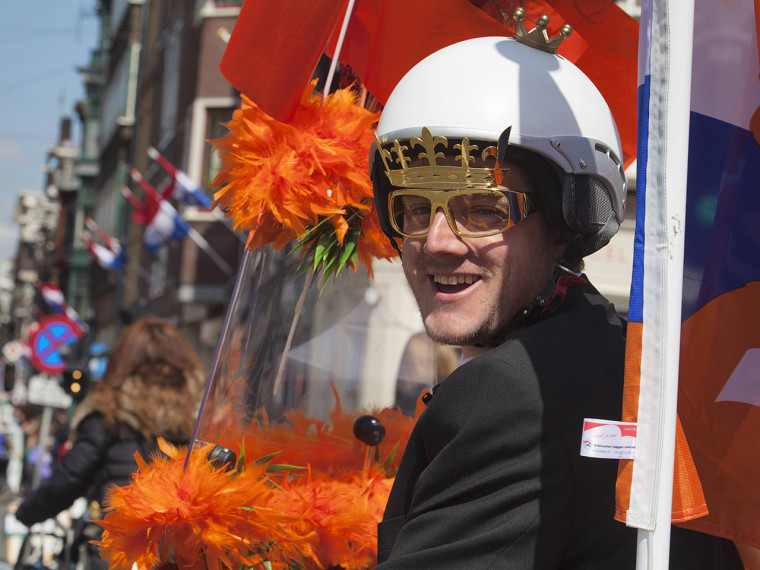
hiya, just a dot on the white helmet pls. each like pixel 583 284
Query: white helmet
pixel 478 88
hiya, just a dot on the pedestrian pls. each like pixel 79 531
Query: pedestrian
pixel 152 388
pixel 4 460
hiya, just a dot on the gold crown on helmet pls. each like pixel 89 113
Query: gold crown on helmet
pixel 437 173
pixel 537 37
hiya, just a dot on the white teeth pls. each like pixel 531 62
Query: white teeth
pixel 454 279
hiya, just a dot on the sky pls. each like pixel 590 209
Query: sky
pixel 43 43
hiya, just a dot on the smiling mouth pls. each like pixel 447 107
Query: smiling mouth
pixel 454 283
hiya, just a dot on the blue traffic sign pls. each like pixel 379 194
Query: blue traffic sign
pixel 54 332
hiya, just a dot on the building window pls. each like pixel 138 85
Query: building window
pixel 170 88
pixel 217 117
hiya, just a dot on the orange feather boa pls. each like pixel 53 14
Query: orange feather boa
pixel 280 516
pixel 282 182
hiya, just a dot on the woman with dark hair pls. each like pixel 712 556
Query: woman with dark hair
pixel 152 388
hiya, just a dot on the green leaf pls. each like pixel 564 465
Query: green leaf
pixel 324 285
pixel 323 245
pixel 279 468
pixel 330 263
pixel 328 274
pixel 240 467
pixel 266 458
pixel 389 460
pixel 348 251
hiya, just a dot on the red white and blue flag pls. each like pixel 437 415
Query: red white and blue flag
pixel 110 257
pixel 109 254
pixel 55 300
pixel 182 186
pixel 163 224
pixel 165 227
pixel 717 301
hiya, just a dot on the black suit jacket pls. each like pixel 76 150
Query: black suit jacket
pixel 492 476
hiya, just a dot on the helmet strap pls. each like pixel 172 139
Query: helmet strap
pixel 544 304
pixel 574 252
pixel 394 243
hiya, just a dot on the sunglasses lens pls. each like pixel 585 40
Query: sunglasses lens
pixel 481 213
pixel 411 214
pixel 474 213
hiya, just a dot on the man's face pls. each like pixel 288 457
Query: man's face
pixel 468 289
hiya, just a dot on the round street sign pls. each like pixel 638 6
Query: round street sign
pixel 54 331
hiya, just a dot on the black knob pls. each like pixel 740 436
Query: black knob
pixel 220 457
pixel 369 430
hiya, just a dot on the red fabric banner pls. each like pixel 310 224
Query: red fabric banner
pixel 275 46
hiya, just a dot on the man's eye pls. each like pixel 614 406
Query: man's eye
pixel 416 207
pixel 418 210
pixel 487 212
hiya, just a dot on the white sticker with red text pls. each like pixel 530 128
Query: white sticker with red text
pixel 608 440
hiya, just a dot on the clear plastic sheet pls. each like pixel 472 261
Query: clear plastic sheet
pixel 288 344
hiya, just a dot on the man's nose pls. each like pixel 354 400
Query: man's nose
pixel 441 239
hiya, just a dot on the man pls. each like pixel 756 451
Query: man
pixel 497 165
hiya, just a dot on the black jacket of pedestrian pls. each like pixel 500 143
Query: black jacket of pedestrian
pixel 152 389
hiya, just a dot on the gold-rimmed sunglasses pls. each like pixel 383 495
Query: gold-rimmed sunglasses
pixel 469 212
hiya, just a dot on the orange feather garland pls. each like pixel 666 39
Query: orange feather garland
pixel 262 515
pixel 306 179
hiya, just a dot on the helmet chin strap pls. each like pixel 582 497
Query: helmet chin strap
pixel 395 245
pixel 546 302
pixel 574 252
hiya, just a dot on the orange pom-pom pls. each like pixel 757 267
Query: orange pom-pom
pixel 280 181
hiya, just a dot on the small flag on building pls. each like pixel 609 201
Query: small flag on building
pixel 54 298
pixel 182 186
pixel 162 222
pixel 109 254
pixel 105 257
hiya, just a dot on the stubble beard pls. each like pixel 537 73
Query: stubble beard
pixel 484 330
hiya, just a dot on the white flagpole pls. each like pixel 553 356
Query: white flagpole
pixel 338 47
pixel 671 38
pixel 310 276
pixel 199 240
pixel 210 251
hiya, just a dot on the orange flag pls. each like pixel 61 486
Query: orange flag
pixel 386 39
pixel 275 45
pixel 274 48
